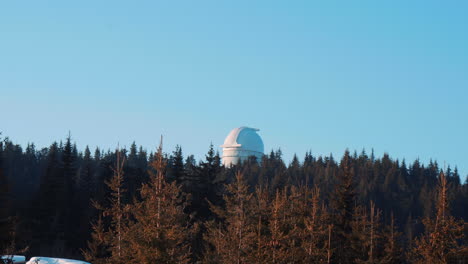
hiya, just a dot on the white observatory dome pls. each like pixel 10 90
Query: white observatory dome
pixel 240 144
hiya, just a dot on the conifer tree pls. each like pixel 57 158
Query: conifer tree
pixel 296 216
pixel 71 200
pixel 443 234
pixel 160 232
pixel 113 239
pixel 343 210
pixel 132 179
pixel 118 213
pixel 367 234
pixel 392 252
pixel 297 211
pixel 315 232
pixel 295 173
pixel 177 166
pixel 5 221
pixel 86 177
pixel 51 211
pixel 200 184
pixel 278 241
pixel 261 212
pixel 232 240
pixel 97 251
pixel 97 154
pixel 86 190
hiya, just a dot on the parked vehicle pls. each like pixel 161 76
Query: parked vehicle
pixel 47 260
pixel 12 259
pixel 15 259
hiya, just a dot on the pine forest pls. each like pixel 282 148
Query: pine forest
pixel 135 205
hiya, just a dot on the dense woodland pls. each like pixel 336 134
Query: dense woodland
pixel 135 206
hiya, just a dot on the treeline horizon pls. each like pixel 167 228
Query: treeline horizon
pixel 58 201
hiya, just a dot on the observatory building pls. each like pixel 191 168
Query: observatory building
pixel 240 144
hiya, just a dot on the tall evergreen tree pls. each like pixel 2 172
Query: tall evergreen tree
pixel 85 192
pixel 344 210
pixel 393 253
pixel 315 233
pixel 51 212
pixel 232 239
pixel 202 187
pixel 71 199
pixel 368 234
pixel 134 173
pixel 114 239
pixel 86 186
pixel 160 232
pixel 97 251
pixel 177 166
pixel 443 234
pixel 277 249
pixel 5 202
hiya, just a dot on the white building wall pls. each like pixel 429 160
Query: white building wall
pixel 232 156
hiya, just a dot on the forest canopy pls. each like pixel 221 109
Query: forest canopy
pixel 167 207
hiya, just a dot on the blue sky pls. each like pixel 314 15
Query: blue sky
pixel 312 75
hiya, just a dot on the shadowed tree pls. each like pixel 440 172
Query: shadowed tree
pixel 71 200
pixel 85 192
pixel 232 240
pixel 50 217
pixel 367 232
pixel 392 252
pixel 343 212
pixel 5 221
pixel 97 251
pixel 177 169
pixel 112 240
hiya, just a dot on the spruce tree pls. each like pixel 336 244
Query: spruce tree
pixel 315 233
pixel 5 202
pixel 113 240
pixel 343 213
pixel 71 200
pixel 392 252
pixel 232 240
pixel 443 234
pixel 367 234
pixel 85 192
pixel 97 251
pixel 50 218
pixel 177 166
pixel 160 232
pixel 278 246
pixel 86 186
pixel 261 213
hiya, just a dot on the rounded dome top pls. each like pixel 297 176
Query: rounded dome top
pixel 245 138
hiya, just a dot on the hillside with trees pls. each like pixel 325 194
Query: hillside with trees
pixel 139 206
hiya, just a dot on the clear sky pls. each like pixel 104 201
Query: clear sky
pixel 311 75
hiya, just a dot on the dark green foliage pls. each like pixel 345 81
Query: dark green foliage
pixel 343 206
pixel 49 191
pixel 176 170
pixel 49 223
pixel 5 204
